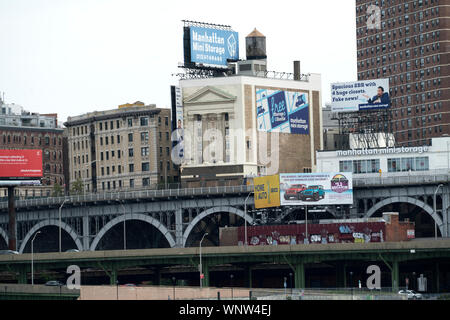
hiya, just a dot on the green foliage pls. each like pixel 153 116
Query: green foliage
pixel 77 187
pixel 57 190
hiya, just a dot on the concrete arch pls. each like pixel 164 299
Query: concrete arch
pixel 210 211
pixel 45 223
pixel 4 235
pixel 139 217
pixel 410 200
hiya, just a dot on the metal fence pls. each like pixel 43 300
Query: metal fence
pixel 127 195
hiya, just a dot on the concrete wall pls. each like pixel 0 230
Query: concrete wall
pixel 158 293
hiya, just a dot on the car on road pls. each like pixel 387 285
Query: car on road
pixel 314 193
pixel 54 283
pixel 73 250
pixel 8 252
pixel 294 191
pixel 411 294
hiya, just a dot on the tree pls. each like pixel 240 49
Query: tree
pixel 77 187
pixel 57 190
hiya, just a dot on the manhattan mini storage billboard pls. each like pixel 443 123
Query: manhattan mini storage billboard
pixel 360 95
pixel 20 164
pixel 316 188
pixel 267 191
pixel 213 47
pixel 282 111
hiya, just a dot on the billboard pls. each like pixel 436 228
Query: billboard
pixel 282 111
pixel 177 121
pixel 267 191
pixel 20 164
pixel 360 95
pixel 212 47
pixel 316 188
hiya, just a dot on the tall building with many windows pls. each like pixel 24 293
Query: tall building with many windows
pixel 122 149
pixel 408 42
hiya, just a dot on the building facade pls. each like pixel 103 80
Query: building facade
pixel 123 149
pixel 390 160
pixel 234 127
pixel 20 129
pixel 407 42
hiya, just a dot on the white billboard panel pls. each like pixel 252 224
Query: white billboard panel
pixel 360 95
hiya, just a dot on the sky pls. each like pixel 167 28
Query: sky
pixel 76 56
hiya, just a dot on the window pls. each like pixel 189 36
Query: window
pixel 145 166
pixel 130 122
pixel 144 136
pixel 131 183
pixel 145 151
pixel 131 168
pixel 131 152
pixel 408 164
pixel 360 166
pixel 145 182
pixel 130 137
pixel 144 121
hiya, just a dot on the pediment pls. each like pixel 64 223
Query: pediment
pixel 209 95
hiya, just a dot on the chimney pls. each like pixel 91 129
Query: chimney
pixel 297 74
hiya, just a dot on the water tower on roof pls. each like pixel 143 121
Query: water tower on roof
pixel 256 46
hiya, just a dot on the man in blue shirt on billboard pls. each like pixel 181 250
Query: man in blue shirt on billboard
pixel 381 97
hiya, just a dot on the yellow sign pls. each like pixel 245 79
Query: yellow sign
pixel 267 191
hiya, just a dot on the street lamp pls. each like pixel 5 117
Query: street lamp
pixel 60 209
pixel 174 281
pixel 231 278
pixel 201 267
pixel 124 225
pixel 434 209
pixel 245 220
pixel 32 258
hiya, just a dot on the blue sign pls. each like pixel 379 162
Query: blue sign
pixel 282 111
pixel 213 46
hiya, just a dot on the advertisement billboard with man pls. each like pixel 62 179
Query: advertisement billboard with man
pixel 360 95
pixel 316 188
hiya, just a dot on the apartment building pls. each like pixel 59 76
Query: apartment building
pixel 122 149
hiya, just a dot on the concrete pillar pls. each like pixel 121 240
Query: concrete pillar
pixel 340 275
pixel 179 228
pixel 86 230
pixel 248 276
pixel 157 277
pixel 395 276
pixel 113 276
pixel 446 212
pixel 22 276
pixel 205 270
pixel 436 272
pixel 300 282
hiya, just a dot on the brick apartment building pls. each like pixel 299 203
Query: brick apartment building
pixel 411 49
pixel 20 129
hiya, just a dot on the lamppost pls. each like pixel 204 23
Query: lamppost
pixel 32 257
pixel 124 225
pixel 201 267
pixel 245 220
pixel 351 282
pixel 434 209
pixel 231 278
pixel 290 279
pixel 60 209
pixel 174 281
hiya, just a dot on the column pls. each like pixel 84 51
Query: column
pixel 157 277
pixel 205 270
pixel 248 276
pixel 86 231
pixel 300 282
pixel 395 276
pixel 446 212
pixel 340 275
pixel 113 276
pixel 22 277
pixel 179 228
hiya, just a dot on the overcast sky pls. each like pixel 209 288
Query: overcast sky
pixel 77 56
